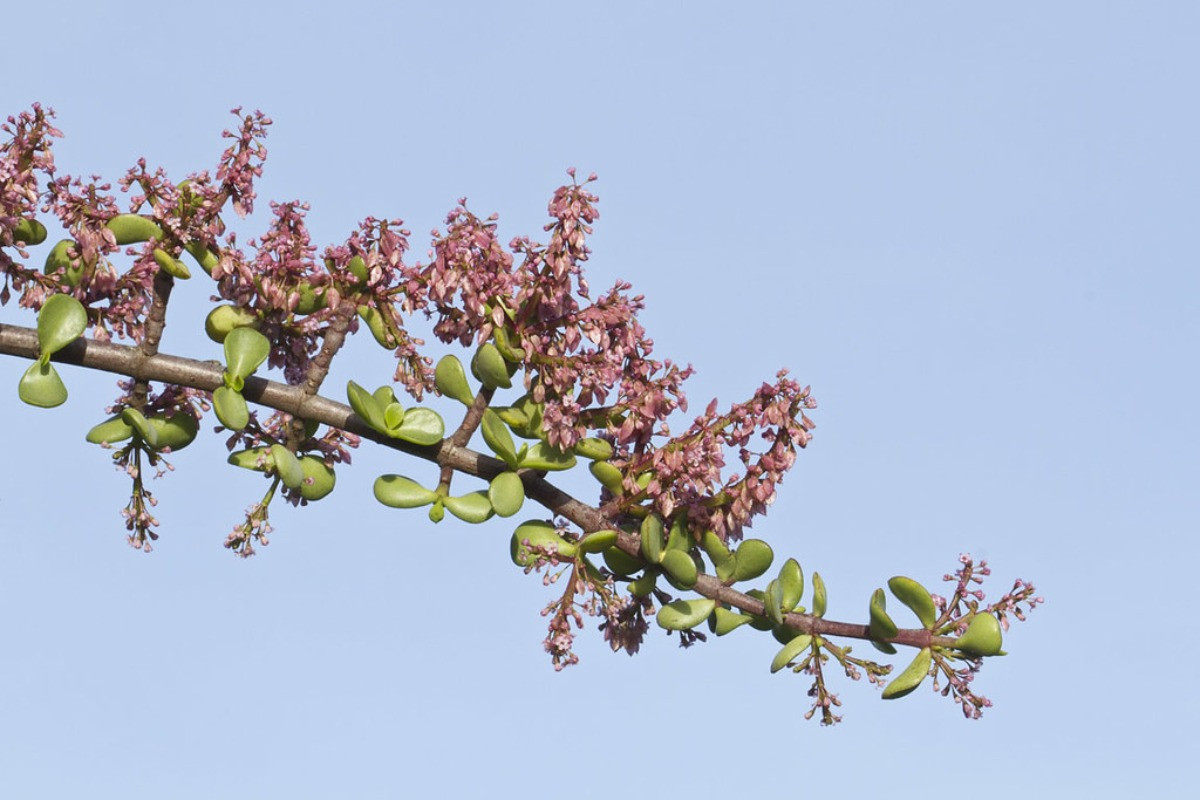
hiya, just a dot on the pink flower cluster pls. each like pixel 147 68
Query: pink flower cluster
pixel 25 152
pixel 470 281
pixel 242 161
pixel 687 470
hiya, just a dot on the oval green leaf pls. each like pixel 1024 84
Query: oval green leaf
pixel 141 425
pixel 62 320
pixel 245 350
pixel 916 597
pixel 451 380
pixel 231 407
pixel 490 367
pixel 398 491
pixel 473 507
pixel 683 615
pixel 421 426
pixel 506 493
pixel 319 478
pixel 287 466
pixel 594 449
pixel 538 533
pixel 983 636
pixel 819 598
pixel 496 435
pixel 174 433
pixel 364 404
pixel 752 559
pixel 881 625
pixel 790 651
pixel 791 582
pixel 598 541
pixel 620 562
pixel 113 429
pixel 40 386
pixel 255 459
pixel 911 677
pixel 544 457
pixel 678 564
pixel 393 417
pixel 652 538
pixel 723 621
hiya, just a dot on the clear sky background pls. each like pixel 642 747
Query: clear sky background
pixel 970 227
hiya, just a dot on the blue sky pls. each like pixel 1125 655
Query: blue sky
pixel 967 228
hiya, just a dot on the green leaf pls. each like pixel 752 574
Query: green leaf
pixel 421 426
pixel 678 564
pixel 683 615
pixel 245 350
pixel 393 417
pixel 643 586
pixel 287 466
pixel 506 493
pixel 594 449
pixel 819 598
pixel 652 538
pixel 451 380
pixel 473 507
pixel 598 541
pixel 490 367
pixel 608 475
pixel 496 435
pixel 722 559
pixel 224 319
pixel 175 432
pixel 141 425
pixel 620 562
pixel 544 457
pixel 29 231
pixel 916 597
pixel 377 326
pixel 679 538
pixel 62 320
pixel 384 396
pixel 254 459
pixel 231 407
pixel 319 478
pixel 911 677
pixel 791 581
pixel 791 651
pixel 40 386
pixel 171 265
pixel 752 559
pixel 772 599
pixel 398 491
pixel 365 405
pixel 983 636
pixel 538 533
pixel 881 626
pixel 724 621
pixel 113 429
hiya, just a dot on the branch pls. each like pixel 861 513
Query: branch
pixel 295 400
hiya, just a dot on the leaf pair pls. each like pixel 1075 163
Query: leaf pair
pixel 158 432
pixel 383 413
pixel 307 474
pixel 538 456
pixel 245 351
pixel 751 559
pixel 504 496
pixel 62 320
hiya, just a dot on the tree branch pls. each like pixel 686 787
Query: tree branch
pixel 296 400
